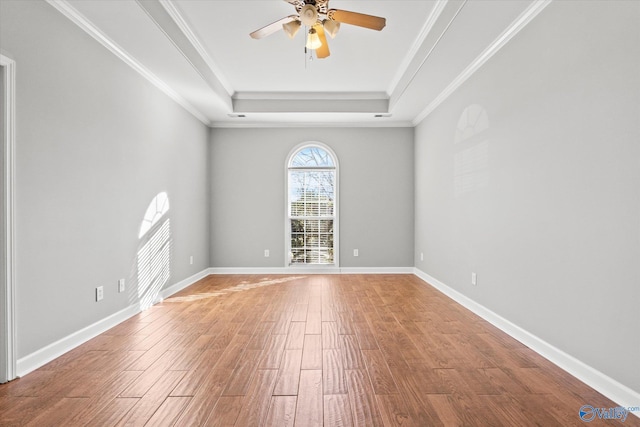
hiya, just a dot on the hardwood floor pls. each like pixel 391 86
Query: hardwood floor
pixel 335 350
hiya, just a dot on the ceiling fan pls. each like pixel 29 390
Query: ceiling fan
pixel 316 15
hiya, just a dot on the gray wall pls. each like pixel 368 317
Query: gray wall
pixel 544 203
pixel 375 194
pixel 95 143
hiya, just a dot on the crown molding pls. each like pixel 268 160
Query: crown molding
pixel 518 24
pixel 165 20
pixel 242 124
pixel 315 96
pixel 85 24
pixel 188 32
pixel 407 79
pixel 403 69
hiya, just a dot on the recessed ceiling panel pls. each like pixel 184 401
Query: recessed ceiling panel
pixel 201 54
pixel 361 60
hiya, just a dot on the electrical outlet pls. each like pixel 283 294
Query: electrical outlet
pixel 355 252
pixel 191 260
pixel 266 253
pixel 421 256
pixel 99 293
pixel 474 279
pixel 121 285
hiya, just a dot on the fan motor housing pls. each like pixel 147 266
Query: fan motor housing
pixel 322 6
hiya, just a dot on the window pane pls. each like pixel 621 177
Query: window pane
pixel 312 256
pixel 297 226
pixel 312 157
pixel 311 193
pixel 297 240
pixel 312 241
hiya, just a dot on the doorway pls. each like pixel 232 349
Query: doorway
pixel 7 283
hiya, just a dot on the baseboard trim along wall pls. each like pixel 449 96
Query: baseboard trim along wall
pixel 46 354
pixel 174 289
pixel 619 393
pixel 307 270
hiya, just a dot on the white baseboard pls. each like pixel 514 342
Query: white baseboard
pixel 619 393
pixel 376 270
pixel 174 289
pixel 312 270
pixel 257 270
pixel 46 354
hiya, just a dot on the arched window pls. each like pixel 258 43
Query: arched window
pixel 312 223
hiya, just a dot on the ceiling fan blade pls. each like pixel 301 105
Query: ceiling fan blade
pixel 358 19
pixel 272 28
pixel 322 51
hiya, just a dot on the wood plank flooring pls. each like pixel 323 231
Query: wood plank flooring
pixel 334 350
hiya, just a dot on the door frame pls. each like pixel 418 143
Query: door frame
pixel 8 358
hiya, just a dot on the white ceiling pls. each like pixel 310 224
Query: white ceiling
pixel 200 53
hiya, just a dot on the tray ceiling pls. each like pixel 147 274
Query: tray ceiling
pixel 200 54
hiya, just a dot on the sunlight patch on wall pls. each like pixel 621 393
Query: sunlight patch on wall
pixel 154 253
pixel 157 208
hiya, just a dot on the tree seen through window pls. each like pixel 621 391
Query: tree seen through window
pixel 312 210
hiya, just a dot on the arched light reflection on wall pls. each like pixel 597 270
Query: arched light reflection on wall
pixel 473 121
pixel 471 163
pixel 154 253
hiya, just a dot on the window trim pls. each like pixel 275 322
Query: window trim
pixel 336 216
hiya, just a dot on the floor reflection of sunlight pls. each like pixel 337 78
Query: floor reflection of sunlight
pixel 244 286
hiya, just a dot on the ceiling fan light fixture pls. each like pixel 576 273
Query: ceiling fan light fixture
pixel 313 41
pixel 331 27
pixel 291 28
pixel 308 15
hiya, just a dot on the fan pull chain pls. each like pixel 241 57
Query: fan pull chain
pixel 306 50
